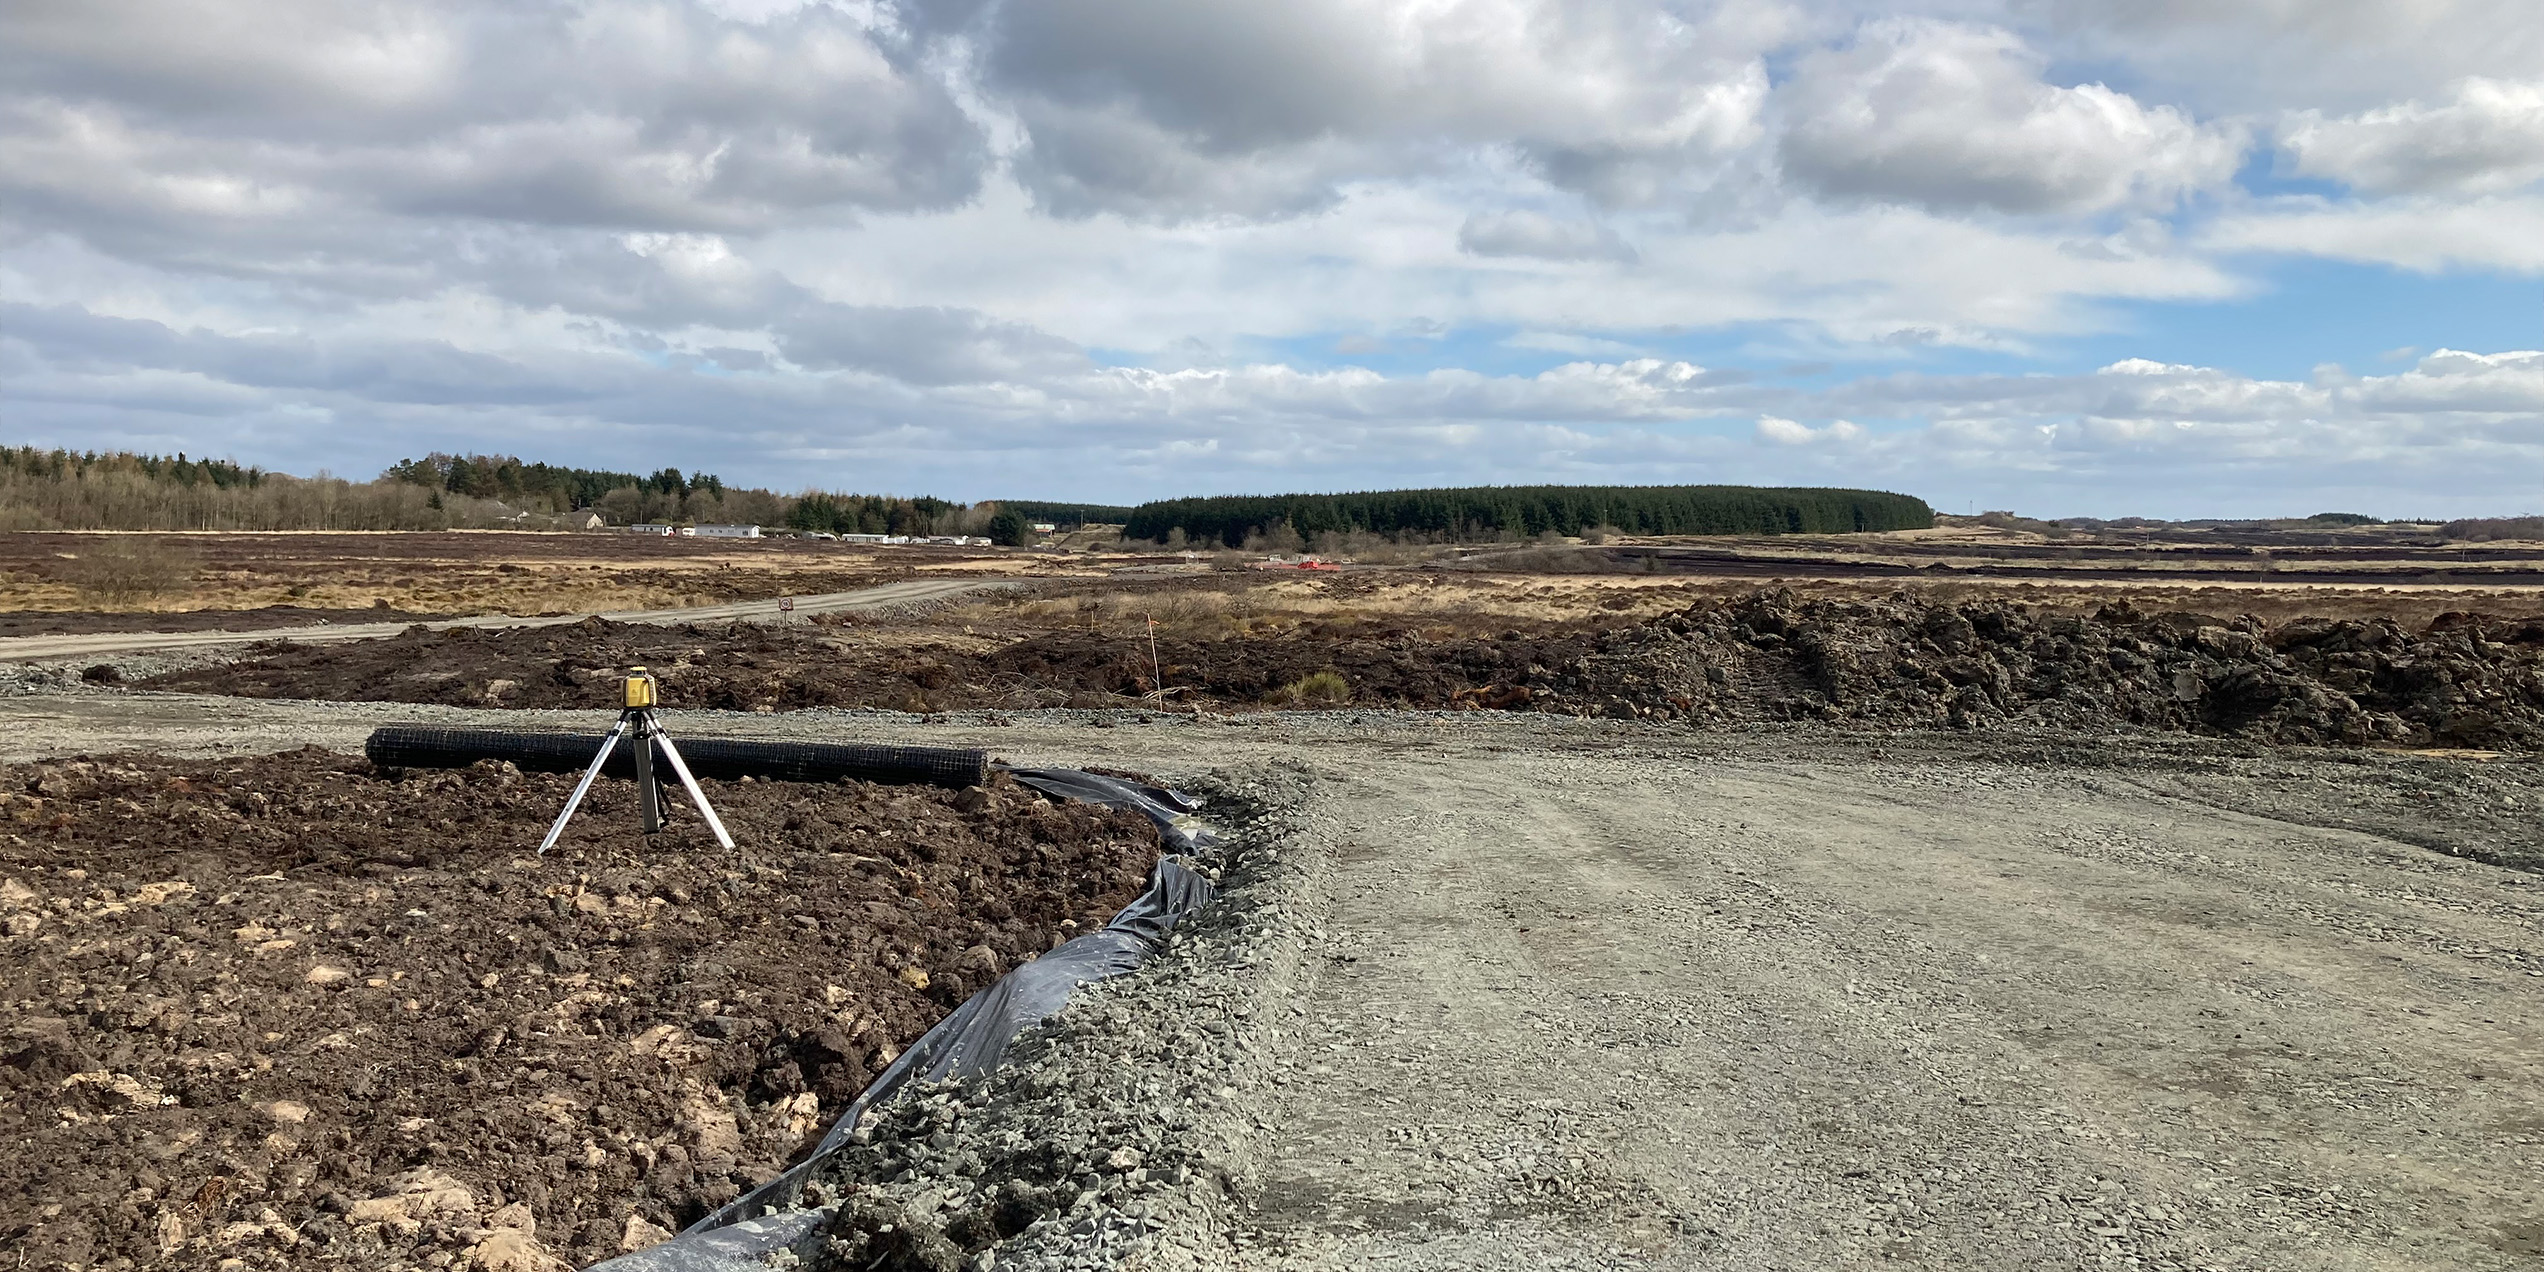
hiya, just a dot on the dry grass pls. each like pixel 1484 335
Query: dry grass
pixel 455 574
pixel 1228 606
pixel 1320 689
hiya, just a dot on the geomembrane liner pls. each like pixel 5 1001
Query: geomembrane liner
pixel 972 1040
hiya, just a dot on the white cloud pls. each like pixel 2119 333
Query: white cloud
pixel 2425 233
pixel 2490 138
pixel 1570 344
pixel 1958 117
pixel 1779 431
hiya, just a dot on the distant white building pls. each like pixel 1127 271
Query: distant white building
pixel 728 532
pixel 865 538
pixel 1044 527
pixel 583 519
pixel 664 531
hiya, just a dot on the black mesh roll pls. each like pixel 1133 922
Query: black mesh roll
pixel 407 746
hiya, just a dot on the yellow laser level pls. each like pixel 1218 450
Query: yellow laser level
pixel 637 722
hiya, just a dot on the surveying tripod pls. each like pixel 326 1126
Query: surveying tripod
pixel 636 713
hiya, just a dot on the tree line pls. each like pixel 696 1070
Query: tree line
pixel 1067 516
pixel 878 514
pixel 540 487
pixel 114 490
pixel 666 496
pixel 75 490
pixel 1512 512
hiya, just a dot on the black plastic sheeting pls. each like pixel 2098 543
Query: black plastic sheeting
pixel 1165 807
pixel 722 758
pixel 971 1041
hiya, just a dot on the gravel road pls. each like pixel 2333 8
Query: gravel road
pixel 1765 1011
pixel 1576 994
pixel 915 592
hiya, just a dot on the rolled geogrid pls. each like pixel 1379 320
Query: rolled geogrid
pixel 727 758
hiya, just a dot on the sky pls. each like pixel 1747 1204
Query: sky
pixel 2170 258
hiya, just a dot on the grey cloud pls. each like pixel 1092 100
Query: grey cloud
pixel 269 68
pixel 613 114
pixel 1084 160
pixel 2264 56
pixel 1238 107
pixel 1536 234
pixel 924 346
pixel 737 359
pixel 1235 75
pixel 662 281
pixel 413 372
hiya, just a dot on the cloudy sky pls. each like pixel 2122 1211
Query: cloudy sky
pixel 2170 257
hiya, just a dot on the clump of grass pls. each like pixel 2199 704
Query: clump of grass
pixel 1325 688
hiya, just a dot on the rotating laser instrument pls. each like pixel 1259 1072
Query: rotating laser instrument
pixel 636 715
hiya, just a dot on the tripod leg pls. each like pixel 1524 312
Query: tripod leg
pixel 649 800
pixel 680 766
pixel 584 787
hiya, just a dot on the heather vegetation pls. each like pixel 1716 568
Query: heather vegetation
pixel 1518 512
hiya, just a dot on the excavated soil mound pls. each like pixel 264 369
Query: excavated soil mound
pixel 2464 680
pixel 293 1009
pixel 751 668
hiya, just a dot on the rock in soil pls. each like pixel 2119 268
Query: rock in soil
pixel 294 1009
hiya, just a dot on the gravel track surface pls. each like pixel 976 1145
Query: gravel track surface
pixel 1572 993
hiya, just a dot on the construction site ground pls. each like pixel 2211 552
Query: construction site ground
pixel 277 1007
pixel 2414 668
pixel 1576 993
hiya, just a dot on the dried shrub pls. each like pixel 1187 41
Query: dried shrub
pixel 119 573
pixel 1317 689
